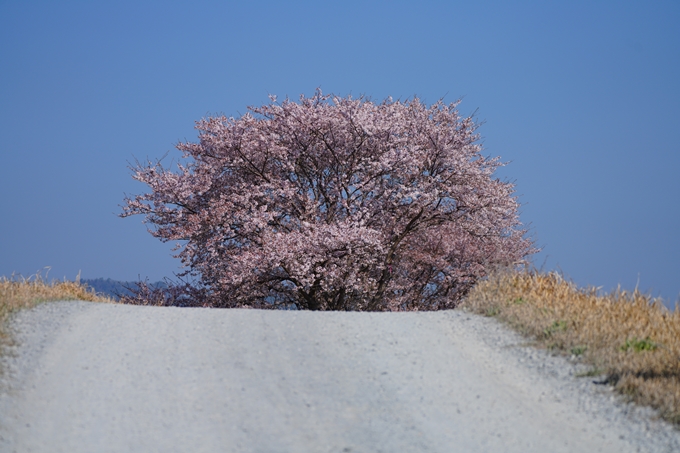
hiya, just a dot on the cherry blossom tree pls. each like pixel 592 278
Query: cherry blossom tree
pixel 334 203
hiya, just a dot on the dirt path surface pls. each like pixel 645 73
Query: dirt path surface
pixel 89 377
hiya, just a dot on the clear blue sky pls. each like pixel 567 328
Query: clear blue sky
pixel 582 97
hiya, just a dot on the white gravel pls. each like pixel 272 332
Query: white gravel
pixel 90 377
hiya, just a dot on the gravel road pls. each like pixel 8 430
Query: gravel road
pixel 91 377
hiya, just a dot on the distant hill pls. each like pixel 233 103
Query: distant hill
pixel 114 288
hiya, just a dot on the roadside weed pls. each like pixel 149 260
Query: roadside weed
pixel 638 345
pixel 18 292
pixel 631 337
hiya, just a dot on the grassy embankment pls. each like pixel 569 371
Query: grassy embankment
pixel 627 337
pixel 18 292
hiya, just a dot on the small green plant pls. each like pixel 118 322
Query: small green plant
pixel 638 345
pixel 492 311
pixel 557 326
pixel 578 350
pixel 519 301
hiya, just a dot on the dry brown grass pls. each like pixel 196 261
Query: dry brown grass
pixel 19 292
pixel 630 338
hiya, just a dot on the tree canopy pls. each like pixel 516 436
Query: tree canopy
pixel 335 203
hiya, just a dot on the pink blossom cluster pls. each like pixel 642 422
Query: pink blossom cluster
pixel 335 203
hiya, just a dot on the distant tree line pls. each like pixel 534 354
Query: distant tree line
pixel 116 288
